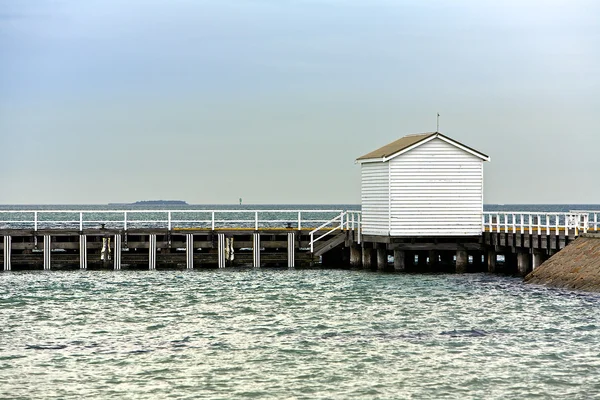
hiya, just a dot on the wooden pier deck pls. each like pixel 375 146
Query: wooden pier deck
pixel 522 240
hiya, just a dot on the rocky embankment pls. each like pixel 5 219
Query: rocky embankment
pixel 577 266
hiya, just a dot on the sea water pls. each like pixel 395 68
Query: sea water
pixel 306 334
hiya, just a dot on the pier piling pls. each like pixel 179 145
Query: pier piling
pixel 537 259
pixel 382 260
pixel 47 244
pixel 256 250
pixel 367 258
pixel 399 260
pixel 152 252
pixel 355 256
pixel 491 261
pixel 462 261
pixel 7 252
pixel 291 249
pixel 523 263
pixel 189 250
pixel 82 252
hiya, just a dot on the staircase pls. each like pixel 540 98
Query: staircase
pixel 337 229
pixel 335 241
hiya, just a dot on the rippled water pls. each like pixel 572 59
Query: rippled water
pixel 293 334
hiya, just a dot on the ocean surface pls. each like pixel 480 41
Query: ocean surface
pixel 302 334
pixel 305 334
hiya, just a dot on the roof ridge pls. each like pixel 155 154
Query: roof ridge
pixel 411 140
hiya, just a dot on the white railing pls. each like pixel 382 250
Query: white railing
pixel 535 222
pixel 169 219
pixel 593 218
pixel 347 220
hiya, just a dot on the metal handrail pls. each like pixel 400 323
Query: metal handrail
pixel 530 221
pixel 294 222
pixel 593 218
pixel 349 224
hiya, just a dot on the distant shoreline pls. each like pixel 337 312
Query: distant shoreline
pixel 153 203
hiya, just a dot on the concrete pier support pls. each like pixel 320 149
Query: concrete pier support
pixel 221 249
pixel 152 252
pixel 82 252
pixel 189 250
pixel 382 259
pixel 537 258
pixel 523 264
pixel 399 260
pixel 367 258
pixel 462 261
pixel 355 256
pixel 256 250
pixel 47 248
pixel 491 261
pixel 7 252
pixel 291 249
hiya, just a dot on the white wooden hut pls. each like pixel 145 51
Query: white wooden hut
pixel 422 185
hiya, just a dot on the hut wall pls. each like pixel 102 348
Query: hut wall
pixel 436 189
pixel 375 198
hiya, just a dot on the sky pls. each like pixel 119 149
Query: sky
pixel 272 101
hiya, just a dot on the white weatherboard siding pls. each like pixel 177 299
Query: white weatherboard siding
pixel 436 189
pixel 375 198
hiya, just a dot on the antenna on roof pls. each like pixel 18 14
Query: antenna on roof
pixel 437 129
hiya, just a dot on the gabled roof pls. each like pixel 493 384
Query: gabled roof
pixel 409 142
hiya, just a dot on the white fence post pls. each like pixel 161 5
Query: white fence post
pixel 81 221
pixel 256 220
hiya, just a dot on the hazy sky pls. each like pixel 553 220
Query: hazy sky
pixel 273 100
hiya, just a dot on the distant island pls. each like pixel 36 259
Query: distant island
pixel 152 203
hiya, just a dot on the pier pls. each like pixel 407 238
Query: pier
pixel 509 242
pixel 421 211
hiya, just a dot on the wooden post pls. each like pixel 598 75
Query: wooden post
pixel 7 252
pixel 491 261
pixel 399 261
pixel 523 263
pixel 47 247
pixel 291 248
pixel 117 255
pixel 462 261
pixel 355 256
pixel 256 250
pixel 152 252
pixel 189 250
pixel 221 249
pixel 382 260
pixel 82 251
pixel 367 258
